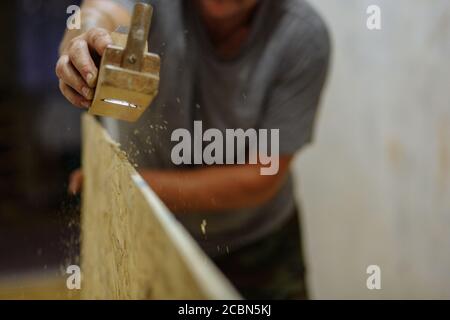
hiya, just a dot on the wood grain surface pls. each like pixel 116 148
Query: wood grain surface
pixel 132 246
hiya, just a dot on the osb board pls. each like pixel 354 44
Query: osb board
pixel 132 246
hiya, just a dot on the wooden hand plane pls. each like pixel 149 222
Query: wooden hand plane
pixel 128 79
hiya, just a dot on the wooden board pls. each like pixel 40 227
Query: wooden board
pixel 132 246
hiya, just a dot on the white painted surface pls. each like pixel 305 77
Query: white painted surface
pixel 375 186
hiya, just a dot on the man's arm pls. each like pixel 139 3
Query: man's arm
pixel 216 188
pixel 76 69
pixel 208 189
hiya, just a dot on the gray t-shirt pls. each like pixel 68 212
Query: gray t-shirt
pixel 274 82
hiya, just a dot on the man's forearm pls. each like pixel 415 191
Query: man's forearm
pixel 97 13
pixel 215 188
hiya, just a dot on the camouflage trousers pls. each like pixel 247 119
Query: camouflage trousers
pixel 271 268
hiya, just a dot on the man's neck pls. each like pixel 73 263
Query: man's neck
pixel 229 34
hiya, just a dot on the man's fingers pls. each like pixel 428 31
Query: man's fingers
pixel 67 73
pixel 81 59
pixel 76 69
pixel 98 39
pixel 74 97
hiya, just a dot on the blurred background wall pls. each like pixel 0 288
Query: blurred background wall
pixel 375 186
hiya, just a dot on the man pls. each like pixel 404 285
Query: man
pixel 230 64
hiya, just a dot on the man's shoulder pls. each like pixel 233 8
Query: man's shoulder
pixel 303 13
pixel 304 30
pixel 304 22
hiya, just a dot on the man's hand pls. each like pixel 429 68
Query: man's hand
pixel 75 182
pixel 76 69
